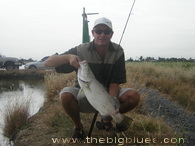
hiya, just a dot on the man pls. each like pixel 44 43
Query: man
pixel 106 60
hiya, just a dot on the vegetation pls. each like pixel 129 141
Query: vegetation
pixel 142 126
pixel 176 79
pixel 16 115
pixel 55 82
pixel 160 59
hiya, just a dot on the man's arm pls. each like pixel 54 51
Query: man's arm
pixel 57 60
pixel 114 90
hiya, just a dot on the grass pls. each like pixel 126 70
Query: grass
pixel 55 82
pixel 16 115
pixel 175 79
pixel 60 122
pixel 145 125
pixel 142 126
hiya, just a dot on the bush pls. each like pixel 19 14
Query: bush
pixel 15 116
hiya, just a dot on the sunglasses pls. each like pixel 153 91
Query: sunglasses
pixel 106 32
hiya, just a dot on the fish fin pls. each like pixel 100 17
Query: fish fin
pixel 88 87
pixel 81 93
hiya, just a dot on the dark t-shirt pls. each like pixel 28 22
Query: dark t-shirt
pixel 110 70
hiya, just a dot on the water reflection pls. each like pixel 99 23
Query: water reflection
pixel 14 89
pixel 10 85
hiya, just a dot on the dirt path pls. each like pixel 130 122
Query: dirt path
pixel 177 117
pixel 38 133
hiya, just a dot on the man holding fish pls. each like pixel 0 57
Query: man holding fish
pixel 100 65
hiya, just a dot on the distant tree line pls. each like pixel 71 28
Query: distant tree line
pixel 152 59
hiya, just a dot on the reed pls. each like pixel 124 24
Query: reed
pixel 16 115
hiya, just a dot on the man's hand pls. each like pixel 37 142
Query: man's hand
pixel 74 60
pixel 57 60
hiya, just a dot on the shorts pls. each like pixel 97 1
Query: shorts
pixel 84 105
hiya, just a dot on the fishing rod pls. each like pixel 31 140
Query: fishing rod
pixel 130 12
pixel 127 22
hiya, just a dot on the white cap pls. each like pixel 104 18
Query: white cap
pixel 103 20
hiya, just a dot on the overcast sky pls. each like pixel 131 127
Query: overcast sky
pixel 38 28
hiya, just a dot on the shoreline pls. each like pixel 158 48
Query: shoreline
pixel 39 133
pixel 23 74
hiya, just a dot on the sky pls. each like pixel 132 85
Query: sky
pixel 156 28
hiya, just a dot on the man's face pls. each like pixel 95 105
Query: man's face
pixel 102 35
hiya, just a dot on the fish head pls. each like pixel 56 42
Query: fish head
pixel 84 72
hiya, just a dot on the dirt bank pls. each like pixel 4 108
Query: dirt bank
pixel 37 132
pixel 21 74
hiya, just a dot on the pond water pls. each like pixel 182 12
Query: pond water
pixel 14 90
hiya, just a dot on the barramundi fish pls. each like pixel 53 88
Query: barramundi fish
pixel 98 97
